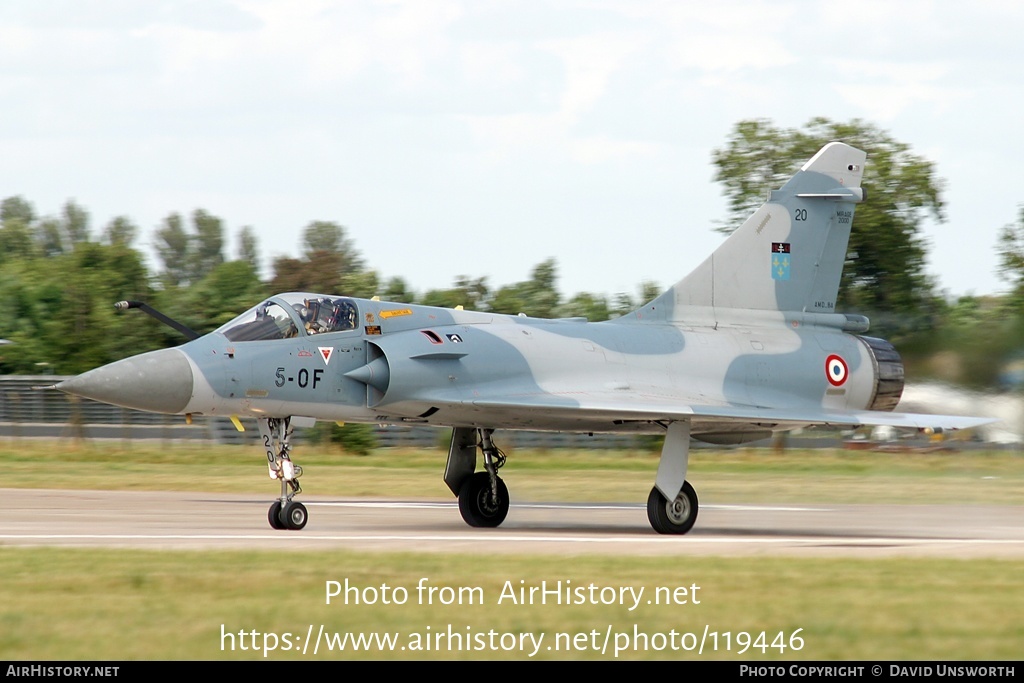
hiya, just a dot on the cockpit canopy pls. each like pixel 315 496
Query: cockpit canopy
pixel 293 315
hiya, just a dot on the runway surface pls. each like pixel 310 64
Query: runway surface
pixel 173 520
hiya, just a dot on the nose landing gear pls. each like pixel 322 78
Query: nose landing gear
pixel 284 513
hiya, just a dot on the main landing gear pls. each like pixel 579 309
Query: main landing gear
pixel 483 496
pixel 676 512
pixel 284 513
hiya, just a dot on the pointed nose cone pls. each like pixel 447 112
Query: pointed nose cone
pixel 376 373
pixel 158 381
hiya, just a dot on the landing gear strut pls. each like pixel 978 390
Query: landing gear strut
pixel 672 505
pixel 284 513
pixel 483 496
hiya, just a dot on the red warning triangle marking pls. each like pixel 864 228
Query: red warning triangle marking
pixel 326 352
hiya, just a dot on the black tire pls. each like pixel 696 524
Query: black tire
pixel 476 505
pixel 274 516
pixel 295 516
pixel 675 518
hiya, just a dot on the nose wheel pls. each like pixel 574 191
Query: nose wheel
pixel 292 515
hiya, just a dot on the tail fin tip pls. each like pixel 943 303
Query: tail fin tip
pixel 839 161
pixel 789 254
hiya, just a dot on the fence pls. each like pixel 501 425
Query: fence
pixel 29 409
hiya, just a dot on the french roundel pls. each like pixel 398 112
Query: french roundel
pixel 836 370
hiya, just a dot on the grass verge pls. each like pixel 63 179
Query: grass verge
pixel 72 604
pixel 123 605
pixel 739 475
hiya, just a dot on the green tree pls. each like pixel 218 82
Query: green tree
pixel 887 272
pixel 649 291
pixel 49 237
pixel 189 256
pixel 120 230
pixel 329 257
pixel 318 273
pixel 471 293
pixel 397 289
pixel 289 275
pixel 585 305
pixel 17 218
pixel 248 249
pixel 1010 248
pixel 444 298
pixel 17 208
pixel 227 290
pixel 172 248
pixel 206 245
pixel 327 236
pixel 74 224
pixel 61 312
pixel 363 284
pixel 16 241
pixel 352 438
pixel 622 304
pixel 535 297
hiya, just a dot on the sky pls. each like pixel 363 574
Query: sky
pixel 481 137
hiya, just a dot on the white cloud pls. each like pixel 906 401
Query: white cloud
pixel 721 36
pixel 492 64
pixel 589 61
pixel 601 148
pixel 897 72
pixel 887 89
pixel 334 41
pixel 729 52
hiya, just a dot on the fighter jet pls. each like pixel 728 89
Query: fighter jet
pixel 748 344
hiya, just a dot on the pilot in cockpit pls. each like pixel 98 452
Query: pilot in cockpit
pixel 345 315
pixel 326 315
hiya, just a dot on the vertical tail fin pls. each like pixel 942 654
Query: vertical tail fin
pixel 789 255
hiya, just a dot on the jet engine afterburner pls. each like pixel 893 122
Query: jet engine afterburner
pixel 888 368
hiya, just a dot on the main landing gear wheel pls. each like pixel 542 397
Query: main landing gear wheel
pixel 672 517
pixel 477 504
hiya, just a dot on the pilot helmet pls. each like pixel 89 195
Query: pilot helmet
pixel 305 315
